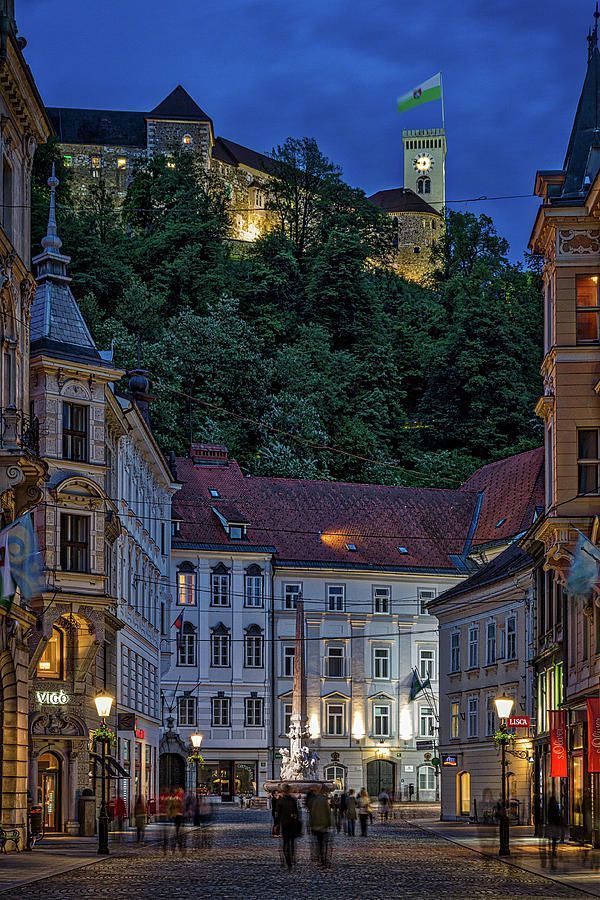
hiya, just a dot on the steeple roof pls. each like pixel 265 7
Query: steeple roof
pixel 582 160
pixel 57 325
pixel 179 105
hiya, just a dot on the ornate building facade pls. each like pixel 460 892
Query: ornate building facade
pixel 23 125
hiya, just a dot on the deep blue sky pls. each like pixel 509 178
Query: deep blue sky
pixel 332 69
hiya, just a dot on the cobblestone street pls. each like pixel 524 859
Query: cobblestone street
pixel 395 860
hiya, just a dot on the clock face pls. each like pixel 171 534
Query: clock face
pixel 423 162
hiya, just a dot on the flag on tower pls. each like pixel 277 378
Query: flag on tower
pixel 423 93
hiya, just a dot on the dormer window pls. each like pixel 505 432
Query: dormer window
pixel 403 550
pixel 351 547
pixel 214 493
pixel 237 532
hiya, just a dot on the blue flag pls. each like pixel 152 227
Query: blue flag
pixel 583 575
pixel 26 564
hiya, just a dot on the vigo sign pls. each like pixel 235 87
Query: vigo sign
pixel 53 698
pixel 519 721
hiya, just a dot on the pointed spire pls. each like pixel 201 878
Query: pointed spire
pixel 51 242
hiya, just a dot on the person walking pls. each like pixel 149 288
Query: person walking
pixel 140 814
pixel 334 802
pixel 364 811
pixel 555 822
pixel 351 813
pixel 286 816
pixel 320 823
pixel 384 803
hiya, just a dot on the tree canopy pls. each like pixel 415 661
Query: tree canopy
pixel 306 353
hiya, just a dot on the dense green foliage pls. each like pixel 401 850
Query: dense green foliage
pixel 307 340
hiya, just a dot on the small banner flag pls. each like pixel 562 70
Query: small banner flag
pixel 178 625
pixel 423 93
pixel 593 726
pixel 417 686
pixel 558 743
pixel 583 573
pixel 7 585
pixel 21 562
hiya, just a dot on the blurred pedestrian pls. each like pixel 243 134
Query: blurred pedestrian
pixel 364 811
pixel 334 802
pixel 320 824
pixel 287 820
pixel 140 814
pixel 555 823
pixel 384 803
pixel 351 813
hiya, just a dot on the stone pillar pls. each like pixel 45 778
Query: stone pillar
pixel 72 824
pixel 33 774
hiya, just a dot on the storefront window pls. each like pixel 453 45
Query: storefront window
pixel 51 660
pixel 148 772
pixel 245 778
pixel 577 791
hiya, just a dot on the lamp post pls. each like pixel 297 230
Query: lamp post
pixel 196 739
pixel 104 704
pixel 504 707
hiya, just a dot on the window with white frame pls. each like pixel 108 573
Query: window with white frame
pixel 254 712
pixel 382 599
pixel 425 596
pixel 490 653
pixel 289 653
pixel 221 711
pixel 291 595
pixel 511 637
pixel 336 715
pixel 219 647
pixel 426 664
pixel 381 663
pixel 472 717
pixel 186 647
pixel 490 717
pixel 381 719
pixel 473 646
pixel 336 597
pixel 426 721
pixel 427 778
pixel 186 711
pixel 220 588
pixel 186 585
pixel 335 663
pixel 454 719
pixel 253 587
pixel 337 774
pixel 253 651
pixel 455 651
pixel 286 710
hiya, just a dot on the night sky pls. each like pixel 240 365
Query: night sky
pixel 332 69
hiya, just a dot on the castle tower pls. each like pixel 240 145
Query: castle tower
pixel 425 164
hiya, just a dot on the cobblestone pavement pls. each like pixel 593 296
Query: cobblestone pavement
pixel 395 860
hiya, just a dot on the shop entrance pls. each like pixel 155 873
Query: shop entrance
pixel 381 776
pixel 49 790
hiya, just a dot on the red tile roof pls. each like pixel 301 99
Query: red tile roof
pixel 313 521
pixel 513 489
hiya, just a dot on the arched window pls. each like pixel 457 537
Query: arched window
pixel 253 584
pixel 426 778
pixel 186 585
pixel 424 185
pixel 253 647
pixel 186 653
pixel 337 774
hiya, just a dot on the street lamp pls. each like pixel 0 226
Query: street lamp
pixel 104 704
pixel 504 707
pixel 196 739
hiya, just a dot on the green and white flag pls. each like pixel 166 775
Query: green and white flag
pixel 423 93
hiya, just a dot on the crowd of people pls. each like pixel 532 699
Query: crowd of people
pixel 327 813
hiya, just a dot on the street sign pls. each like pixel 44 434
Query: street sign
pixel 519 721
pixel 424 745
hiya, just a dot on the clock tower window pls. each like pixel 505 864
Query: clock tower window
pixel 424 185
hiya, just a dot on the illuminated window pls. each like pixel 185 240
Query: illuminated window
pixel 588 310
pixel 51 660
pixel 187 140
pixel 170 164
pixel 454 719
pixel 68 161
pixel 96 163
pixel 186 585
pixel 121 163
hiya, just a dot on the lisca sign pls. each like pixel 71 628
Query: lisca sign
pixel 53 698
pixel 519 721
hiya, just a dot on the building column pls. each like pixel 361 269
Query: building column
pixel 72 824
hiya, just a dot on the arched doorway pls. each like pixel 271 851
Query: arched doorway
pixel 171 772
pixel 463 794
pixel 381 775
pixel 49 790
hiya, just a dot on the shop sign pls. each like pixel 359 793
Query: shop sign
pixel 519 721
pixel 53 698
pixel 409 768
pixel 593 724
pixel 558 743
pixel 140 733
pixel 448 760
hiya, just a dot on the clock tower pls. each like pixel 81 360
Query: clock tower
pixel 425 164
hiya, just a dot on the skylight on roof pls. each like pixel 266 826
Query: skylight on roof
pixel 402 549
pixel 351 547
pixel 213 492
pixel 500 522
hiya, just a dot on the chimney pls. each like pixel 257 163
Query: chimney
pixel 209 455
